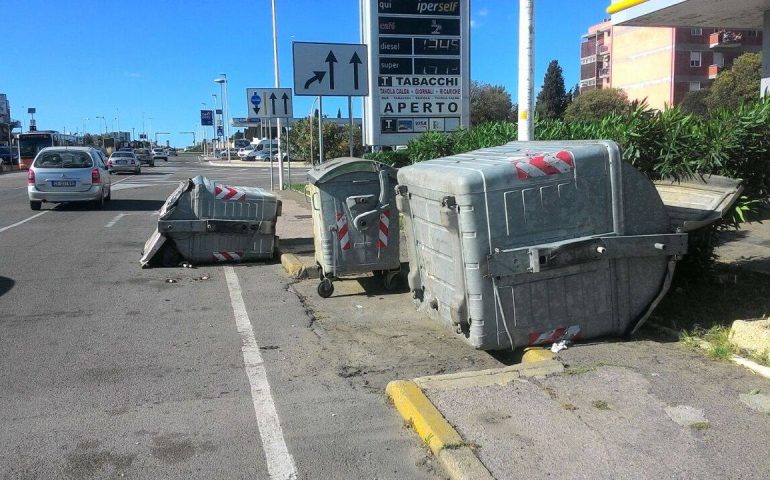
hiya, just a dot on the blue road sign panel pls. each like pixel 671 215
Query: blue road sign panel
pixel 220 131
pixel 207 118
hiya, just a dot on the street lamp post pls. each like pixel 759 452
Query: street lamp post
pixel 222 81
pixel 105 128
pixel 149 119
pixel 203 127
pixel 214 128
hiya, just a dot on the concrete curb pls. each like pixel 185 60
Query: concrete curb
pixel 241 164
pixel 537 354
pixel 293 266
pixel 456 456
pixel 760 370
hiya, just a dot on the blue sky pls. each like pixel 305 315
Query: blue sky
pixel 78 59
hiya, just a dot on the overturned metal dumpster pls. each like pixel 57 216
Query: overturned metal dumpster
pixel 539 242
pixel 355 222
pixel 204 221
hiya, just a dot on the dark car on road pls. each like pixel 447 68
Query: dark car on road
pixel 8 155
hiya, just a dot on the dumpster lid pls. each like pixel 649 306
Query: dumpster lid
pixel 152 247
pixel 332 169
pixel 173 199
pixel 695 203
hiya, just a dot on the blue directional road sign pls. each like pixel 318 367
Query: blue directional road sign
pixel 269 103
pixel 220 131
pixel 207 118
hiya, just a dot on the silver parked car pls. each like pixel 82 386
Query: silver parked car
pixel 68 174
pixel 159 153
pixel 124 162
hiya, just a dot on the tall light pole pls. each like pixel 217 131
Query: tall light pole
pixel 149 119
pixel 105 128
pixel 526 73
pixel 213 136
pixel 222 81
pixel 277 85
pixel 84 129
pixel 203 127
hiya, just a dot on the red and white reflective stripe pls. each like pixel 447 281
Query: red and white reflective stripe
pixel 225 192
pixel 382 241
pixel 343 234
pixel 227 256
pixel 556 335
pixel 544 164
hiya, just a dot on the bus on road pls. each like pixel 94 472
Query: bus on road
pixel 32 142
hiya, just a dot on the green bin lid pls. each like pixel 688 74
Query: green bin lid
pixel 332 169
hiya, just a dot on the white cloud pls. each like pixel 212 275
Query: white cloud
pixel 476 23
pixel 133 74
pixel 483 12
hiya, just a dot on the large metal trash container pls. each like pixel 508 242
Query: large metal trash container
pixel 204 221
pixel 537 242
pixel 355 222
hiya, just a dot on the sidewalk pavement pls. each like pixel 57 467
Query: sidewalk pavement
pixel 649 408
pixel 295 235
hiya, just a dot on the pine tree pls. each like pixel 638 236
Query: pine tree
pixel 552 99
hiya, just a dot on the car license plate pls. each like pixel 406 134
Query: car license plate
pixel 121 162
pixel 63 183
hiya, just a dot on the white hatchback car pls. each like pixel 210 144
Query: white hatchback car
pixel 68 174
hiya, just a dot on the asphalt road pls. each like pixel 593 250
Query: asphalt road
pixel 109 371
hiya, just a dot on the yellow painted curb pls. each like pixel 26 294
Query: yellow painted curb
pixel 293 266
pixel 457 458
pixel 536 354
pixel 420 413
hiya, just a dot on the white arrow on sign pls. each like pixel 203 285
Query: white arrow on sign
pixel 331 69
pixel 269 103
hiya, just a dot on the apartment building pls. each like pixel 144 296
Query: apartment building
pixel 659 64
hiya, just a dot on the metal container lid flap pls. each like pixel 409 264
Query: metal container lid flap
pixel 698 202
pixel 332 169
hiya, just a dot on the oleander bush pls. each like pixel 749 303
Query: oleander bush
pixel 670 143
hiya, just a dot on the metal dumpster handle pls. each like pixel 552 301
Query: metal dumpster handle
pixel 384 188
pixel 365 220
pixel 313 197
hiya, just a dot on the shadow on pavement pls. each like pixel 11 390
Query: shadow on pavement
pixel 143 174
pixel 6 284
pixel 296 245
pixel 731 293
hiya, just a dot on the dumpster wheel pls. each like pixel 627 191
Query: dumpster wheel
pixel 391 280
pixel 325 288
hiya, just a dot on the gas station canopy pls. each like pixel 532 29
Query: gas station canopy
pixel 737 14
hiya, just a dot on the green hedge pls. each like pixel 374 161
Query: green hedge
pixel 734 143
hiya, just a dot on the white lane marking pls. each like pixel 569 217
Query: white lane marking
pixel 280 464
pixel 130 185
pixel 115 220
pixel 117 217
pixel 23 221
pixel 115 183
